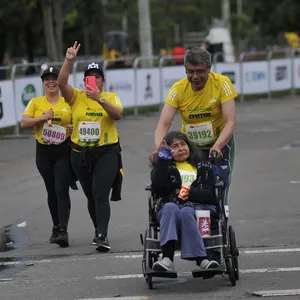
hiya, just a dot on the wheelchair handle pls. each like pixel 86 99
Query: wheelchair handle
pixel 213 156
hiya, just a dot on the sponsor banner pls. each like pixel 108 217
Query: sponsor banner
pixel 296 72
pixel 25 89
pixel 255 77
pixel 121 82
pixel 147 85
pixel 280 72
pixel 169 76
pixel 232 71
pixel 7 104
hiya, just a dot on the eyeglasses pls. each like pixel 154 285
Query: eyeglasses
pixel 197 72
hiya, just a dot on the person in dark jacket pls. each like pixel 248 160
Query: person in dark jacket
pixel 176 180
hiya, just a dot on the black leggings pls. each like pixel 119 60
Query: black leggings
pixel 96 186
pixel 52 162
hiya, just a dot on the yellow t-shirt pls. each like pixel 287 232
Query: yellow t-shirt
pixel 188 173
pixel 62 115
pixel 92 125
pixel 201 111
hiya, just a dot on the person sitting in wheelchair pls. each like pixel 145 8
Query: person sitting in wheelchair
pixel 176 182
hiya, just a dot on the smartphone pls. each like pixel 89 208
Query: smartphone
pixel 91 81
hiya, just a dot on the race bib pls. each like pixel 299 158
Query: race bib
pixel 53 134
pixel 89 131
pixel 187 177
pixel 200 134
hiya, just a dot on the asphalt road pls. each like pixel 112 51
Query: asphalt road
pixel 264 210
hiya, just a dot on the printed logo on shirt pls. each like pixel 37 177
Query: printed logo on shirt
pixel 93 113
pixel 213 100
pixel 64 109
pixel 200 116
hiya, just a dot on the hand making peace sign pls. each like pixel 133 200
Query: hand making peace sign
pixel 72 51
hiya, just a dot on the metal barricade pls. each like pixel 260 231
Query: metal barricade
pixel 5 72
pixel 17 70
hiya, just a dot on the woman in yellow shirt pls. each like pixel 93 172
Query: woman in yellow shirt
pixel 50 117
pixel 96 157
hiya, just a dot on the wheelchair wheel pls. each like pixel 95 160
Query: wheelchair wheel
pixel 234 252
pixel 147 260
pixel 230 271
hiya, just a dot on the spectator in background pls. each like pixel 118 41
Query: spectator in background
pixel 292 39
pixel 178 50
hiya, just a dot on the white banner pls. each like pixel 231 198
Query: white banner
pixel 78 83
pixel 147 86
pixel 7 105
pixel 296 72
pixel 121 82
pixel 232 71
pixel 25 89
pixel 280 74
pixel 255 77
pixel 169 76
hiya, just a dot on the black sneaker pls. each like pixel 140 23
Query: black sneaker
pixel 63 239
pixel 102 243
pixel 95 239
pixel 54 235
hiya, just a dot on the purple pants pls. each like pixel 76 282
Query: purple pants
pixel 180 224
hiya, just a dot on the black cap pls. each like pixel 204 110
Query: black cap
pixel 50 71
pixel 94 67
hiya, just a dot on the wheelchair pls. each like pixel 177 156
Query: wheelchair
pixel 222 241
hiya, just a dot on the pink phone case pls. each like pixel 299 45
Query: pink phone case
pixel 91 81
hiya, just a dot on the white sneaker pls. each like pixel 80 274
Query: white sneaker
pixel 206 264
pixel 164 265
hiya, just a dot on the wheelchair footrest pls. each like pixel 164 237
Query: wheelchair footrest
pixel 166 274
pixel 208 272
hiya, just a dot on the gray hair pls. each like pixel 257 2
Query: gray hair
pixel 196 56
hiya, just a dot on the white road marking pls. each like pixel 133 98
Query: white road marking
pixel 131 256
pixel 120 298
pixel 5 279
pixel 23 224
pixel 295 181
pixel 271 270
pixel 246 271
pixel 277 293
pixel 263 251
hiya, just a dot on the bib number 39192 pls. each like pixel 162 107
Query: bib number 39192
pixel 53 134
pixel 200 134
pixel 89 131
